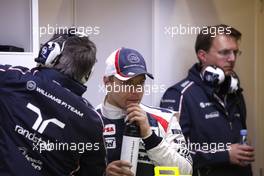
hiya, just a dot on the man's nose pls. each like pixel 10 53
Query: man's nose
pixel 232 57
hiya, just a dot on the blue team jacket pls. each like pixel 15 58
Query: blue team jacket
pixel 208 123
pixel 46 127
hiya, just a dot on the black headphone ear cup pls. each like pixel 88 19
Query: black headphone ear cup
pixel 213 76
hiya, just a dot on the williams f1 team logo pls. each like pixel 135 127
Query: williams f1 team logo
pixel 40 125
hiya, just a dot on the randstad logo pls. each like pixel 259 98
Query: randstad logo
pixel 40 125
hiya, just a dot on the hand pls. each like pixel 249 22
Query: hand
pixel 119 168
pixel 137 115
pixel 241 154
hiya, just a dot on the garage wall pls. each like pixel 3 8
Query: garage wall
pixel 115 24
pixel 146 26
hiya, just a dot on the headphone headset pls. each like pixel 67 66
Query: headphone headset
pixel 49 52
pixel 215 77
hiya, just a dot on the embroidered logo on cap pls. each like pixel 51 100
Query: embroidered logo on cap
pixel 133 58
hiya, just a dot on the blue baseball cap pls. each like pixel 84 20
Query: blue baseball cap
pixel 125 63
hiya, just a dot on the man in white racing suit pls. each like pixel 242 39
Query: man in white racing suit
pixel 162 142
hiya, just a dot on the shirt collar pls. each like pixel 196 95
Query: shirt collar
pixel 62 79
pixel 112 112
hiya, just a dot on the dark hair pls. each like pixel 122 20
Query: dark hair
pixel 77 58
pixel 205 38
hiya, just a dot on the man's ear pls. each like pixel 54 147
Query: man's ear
pixel 106 80
pixel 201 54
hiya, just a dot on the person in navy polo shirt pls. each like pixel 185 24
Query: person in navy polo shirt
pixel 211 106
pixel 162 142
pixel 46 127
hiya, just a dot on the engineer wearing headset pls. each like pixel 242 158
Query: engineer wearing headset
pixel 43 118
pixel 211 106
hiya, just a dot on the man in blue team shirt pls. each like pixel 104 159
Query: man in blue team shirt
pixel 46 127
pixel 211 106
